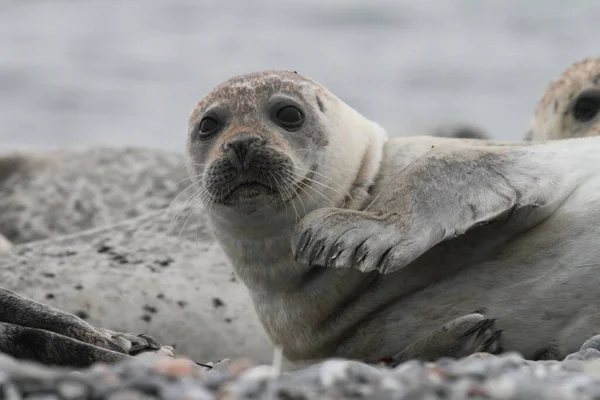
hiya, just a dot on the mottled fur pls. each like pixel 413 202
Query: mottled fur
pixel 56 192
pixel 553 118
pixel 64 191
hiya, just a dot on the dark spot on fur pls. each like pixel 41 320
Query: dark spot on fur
pixel 160 296
pixel 120 258
pixel 78 287
pixel 228 320
pixel 82 314
pixel 181 303
pixel 165 262
pixel 321 105
pixel 555 105
pixel 104 249
pixel 232 278
pixel 49 296
pixel 146 318
pixel 217 302
pixel 150 309
pixel 151 268
pixel 49 275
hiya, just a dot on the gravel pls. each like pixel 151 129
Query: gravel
pixel 479 376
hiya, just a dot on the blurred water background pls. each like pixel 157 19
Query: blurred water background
pixel 78 72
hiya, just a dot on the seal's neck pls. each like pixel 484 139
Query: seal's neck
pixel 354 155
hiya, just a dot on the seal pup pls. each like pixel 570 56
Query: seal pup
pixel 354 245
pixel 570 106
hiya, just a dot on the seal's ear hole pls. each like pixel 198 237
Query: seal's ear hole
pixel 320 104
pixel 586 105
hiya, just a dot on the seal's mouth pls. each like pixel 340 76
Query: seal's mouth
pixel 249 190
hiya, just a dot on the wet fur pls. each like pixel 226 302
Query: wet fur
pixel 430 230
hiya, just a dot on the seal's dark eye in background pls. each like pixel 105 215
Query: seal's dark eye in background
pixel 289 117
pixel 207 126
pixel 586 106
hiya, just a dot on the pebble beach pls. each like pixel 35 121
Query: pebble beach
pixel 479 376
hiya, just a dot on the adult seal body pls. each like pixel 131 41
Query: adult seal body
pixel 359 246
pixel 570 106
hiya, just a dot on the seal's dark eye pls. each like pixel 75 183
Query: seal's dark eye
pixel 586 106
pixel 290 117
pixel 208 125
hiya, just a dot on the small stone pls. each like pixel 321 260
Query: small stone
pixel 588 353
pixel 176 367
pixel 239 366
pixel 591 343
pixel 72 389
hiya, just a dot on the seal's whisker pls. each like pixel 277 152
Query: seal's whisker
pixel 186 179
pixel 191 212
pixel 322 176
pixel 300 178
pixel 320 183
pixel 206 198
pixel 292 186
pixel 289 194
pixel 329 200
pixel 298 185
pixel 183 205
pixel 278 191
pixel 191 185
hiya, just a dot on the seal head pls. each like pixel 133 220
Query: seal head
pixel 570 107
pixel 261 143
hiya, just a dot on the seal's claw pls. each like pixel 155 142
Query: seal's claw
pixel 482 337
pixel 333 237
pixel 461 337
pixel 135 344
pixel 324 235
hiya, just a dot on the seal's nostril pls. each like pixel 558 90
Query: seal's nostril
pixel 241 145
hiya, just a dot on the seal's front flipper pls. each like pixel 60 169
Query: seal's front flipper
pixel 471 333
pixel 438 197
pixel 53 332
pixel 51 348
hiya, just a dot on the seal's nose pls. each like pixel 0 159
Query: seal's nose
pixel 242 147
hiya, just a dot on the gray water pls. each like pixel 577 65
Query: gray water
pixel 77 72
